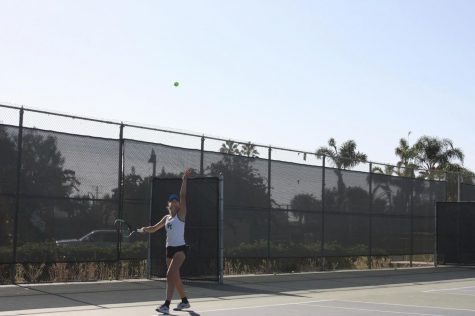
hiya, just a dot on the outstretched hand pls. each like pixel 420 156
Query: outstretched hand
pixel 187 173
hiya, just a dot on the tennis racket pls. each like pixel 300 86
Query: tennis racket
pixel 122 224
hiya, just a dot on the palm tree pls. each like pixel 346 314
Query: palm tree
pixel 344 157
pixel 249 150
pixel 468 176
pixel 406 155
pixel 388 170
pixel 230 148
pixel 435 154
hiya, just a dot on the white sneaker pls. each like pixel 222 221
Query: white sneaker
pixel 182 305
pixel 163 309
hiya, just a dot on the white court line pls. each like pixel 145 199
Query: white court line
pixel 451 289
pixel 129 305
pixel 460 294
pixel 259 306
pixel 54 310
pixel 405 305
pixel 374 310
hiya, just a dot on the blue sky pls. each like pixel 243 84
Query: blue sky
pixel 286 73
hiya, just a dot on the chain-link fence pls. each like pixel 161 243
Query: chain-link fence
pixel 65 179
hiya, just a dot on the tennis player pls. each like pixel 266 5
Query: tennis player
pixel 174 224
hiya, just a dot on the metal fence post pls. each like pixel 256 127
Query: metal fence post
pixel 202 155
pixel 322 242
pixel 459 229
pixel 412 222
pixel 436 236
pixel 17 195
pixel 370 242
pixel 448 188
pixel 120 189
pixel 269 163
pixel 221 230
pixel 149 241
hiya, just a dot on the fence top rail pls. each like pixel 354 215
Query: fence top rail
pixel 183 133
pixel 165 130
pixel 59 114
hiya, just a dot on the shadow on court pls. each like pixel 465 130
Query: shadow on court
pixel 97 294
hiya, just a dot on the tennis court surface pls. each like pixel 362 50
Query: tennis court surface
pixel 422 291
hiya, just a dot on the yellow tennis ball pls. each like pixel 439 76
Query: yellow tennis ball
pixel 176 84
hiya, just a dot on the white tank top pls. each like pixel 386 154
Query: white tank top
pixel 175 231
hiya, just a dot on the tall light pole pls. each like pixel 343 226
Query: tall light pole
pixel 153 160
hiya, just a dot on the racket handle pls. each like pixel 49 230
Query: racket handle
pixel 140 230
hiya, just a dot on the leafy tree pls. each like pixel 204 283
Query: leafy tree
pixel 304 202
pixel 249 150
pixel 230 147
pixel 43 177
pixel 394 194
pixel 8 164
pixel 468 176
pixel 136 195
pixel 43 171
pixel 391 193
pixel 243 184
pixel 165 174
pixel 87 213
pixel 135 187
pixel 246 195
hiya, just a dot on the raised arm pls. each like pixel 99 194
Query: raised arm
pixel 157 226
pixel 182 211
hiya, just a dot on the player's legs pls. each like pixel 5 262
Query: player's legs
pixel 174 280
pixel 178 282
pixel 173 275
pixel 165 308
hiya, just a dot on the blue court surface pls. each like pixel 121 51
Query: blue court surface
pixel 421 291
